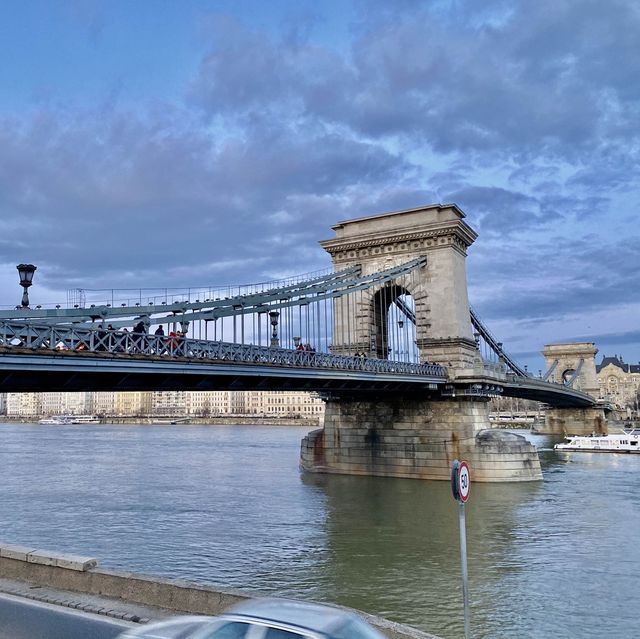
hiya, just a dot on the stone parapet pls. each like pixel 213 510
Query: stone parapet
pixel 162 594
pixel 46 557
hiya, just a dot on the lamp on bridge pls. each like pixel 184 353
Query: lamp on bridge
pixel 26 272
pixel 274 315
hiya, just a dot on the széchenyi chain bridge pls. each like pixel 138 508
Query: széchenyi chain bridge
pixel 387 337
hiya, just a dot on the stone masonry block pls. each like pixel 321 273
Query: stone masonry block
pixel 13 551
pixel 76 562
pixel 43 557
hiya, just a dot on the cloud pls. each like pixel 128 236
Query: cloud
pixel 483 85
pixel 558 278
pixel 525 114
pixel 500 210
pixel 103 192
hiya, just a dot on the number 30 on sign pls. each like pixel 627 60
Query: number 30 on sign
pixel 460 480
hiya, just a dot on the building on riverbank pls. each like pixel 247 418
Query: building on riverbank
pixel 619 382
pixel 166 404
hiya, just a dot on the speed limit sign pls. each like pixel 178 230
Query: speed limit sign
pixel 460 480
pixel 460 485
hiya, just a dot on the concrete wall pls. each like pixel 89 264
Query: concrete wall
pixel 81 575
pixel 416 439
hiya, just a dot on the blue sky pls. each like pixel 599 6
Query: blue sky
pixel 201 142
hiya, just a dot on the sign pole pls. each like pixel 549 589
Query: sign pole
pixel 460 485
pixel 465 575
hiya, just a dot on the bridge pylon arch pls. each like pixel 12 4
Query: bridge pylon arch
pixel 436 232
pixel 412 435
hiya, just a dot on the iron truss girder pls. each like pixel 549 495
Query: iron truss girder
pixel 330 286
pixel 495 345
pixel 483 331
pixel 105 311
pixel 38 371
pixel 552 368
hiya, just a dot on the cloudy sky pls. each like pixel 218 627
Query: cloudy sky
pixel 207 142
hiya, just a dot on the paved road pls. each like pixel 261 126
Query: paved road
pixel 26 619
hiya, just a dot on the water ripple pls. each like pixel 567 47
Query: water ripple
pixel 228 506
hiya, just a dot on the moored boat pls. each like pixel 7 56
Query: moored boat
pixel 625 441
pixel 85 419
pixel 59 420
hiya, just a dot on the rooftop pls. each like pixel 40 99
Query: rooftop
pixel 617 361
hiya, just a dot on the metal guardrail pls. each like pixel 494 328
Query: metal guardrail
pixel 102 341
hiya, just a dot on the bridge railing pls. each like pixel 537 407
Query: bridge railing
pixel 100 341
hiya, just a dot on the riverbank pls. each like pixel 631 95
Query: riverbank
pixel 78 582
pixel 223 420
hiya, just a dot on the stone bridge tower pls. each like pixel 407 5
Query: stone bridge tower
pixel 564 361
pixel 420 434
pixel 438 233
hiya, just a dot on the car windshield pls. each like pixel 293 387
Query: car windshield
pixel 356 629
pixel 172 629
pixel 225 630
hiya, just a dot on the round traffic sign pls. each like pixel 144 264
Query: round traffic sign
pixel 464 481
pixel 460 480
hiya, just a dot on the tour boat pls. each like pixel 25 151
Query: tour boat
pixel 625 441
pixel 60 420
pixel 85 419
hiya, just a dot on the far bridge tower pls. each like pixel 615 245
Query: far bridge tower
pixel 574 364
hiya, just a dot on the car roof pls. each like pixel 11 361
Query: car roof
pixel 168 628
pixel 310 616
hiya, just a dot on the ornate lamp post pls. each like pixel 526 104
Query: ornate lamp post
pixel 274 315
pixel 26 272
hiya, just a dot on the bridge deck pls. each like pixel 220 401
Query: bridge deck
pixel 29 370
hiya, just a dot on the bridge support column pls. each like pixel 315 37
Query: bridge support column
pixel 574 421
pixel 416 439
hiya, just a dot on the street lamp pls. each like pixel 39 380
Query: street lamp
pixel 274 315
pixel 26 272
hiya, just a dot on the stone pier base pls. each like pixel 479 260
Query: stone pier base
pixel 416 439
pixel 574 421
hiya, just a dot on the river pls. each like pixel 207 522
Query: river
pixel 227 505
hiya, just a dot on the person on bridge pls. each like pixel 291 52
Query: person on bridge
pixel 180 350
pixel 176 343
pixel 101 339
pixel 172 342
pixel 111 339
pixel 159 345
pixel 139 331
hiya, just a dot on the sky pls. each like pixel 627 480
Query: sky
pixel 205 143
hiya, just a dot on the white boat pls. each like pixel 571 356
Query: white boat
pixel 85 419
pixel 625 441
pixel 60 420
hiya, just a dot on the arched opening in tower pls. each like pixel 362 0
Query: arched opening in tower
pixel 394 336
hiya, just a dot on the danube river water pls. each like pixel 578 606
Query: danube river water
pixel 227 505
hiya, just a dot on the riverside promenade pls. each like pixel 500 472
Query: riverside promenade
pixel 78 582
